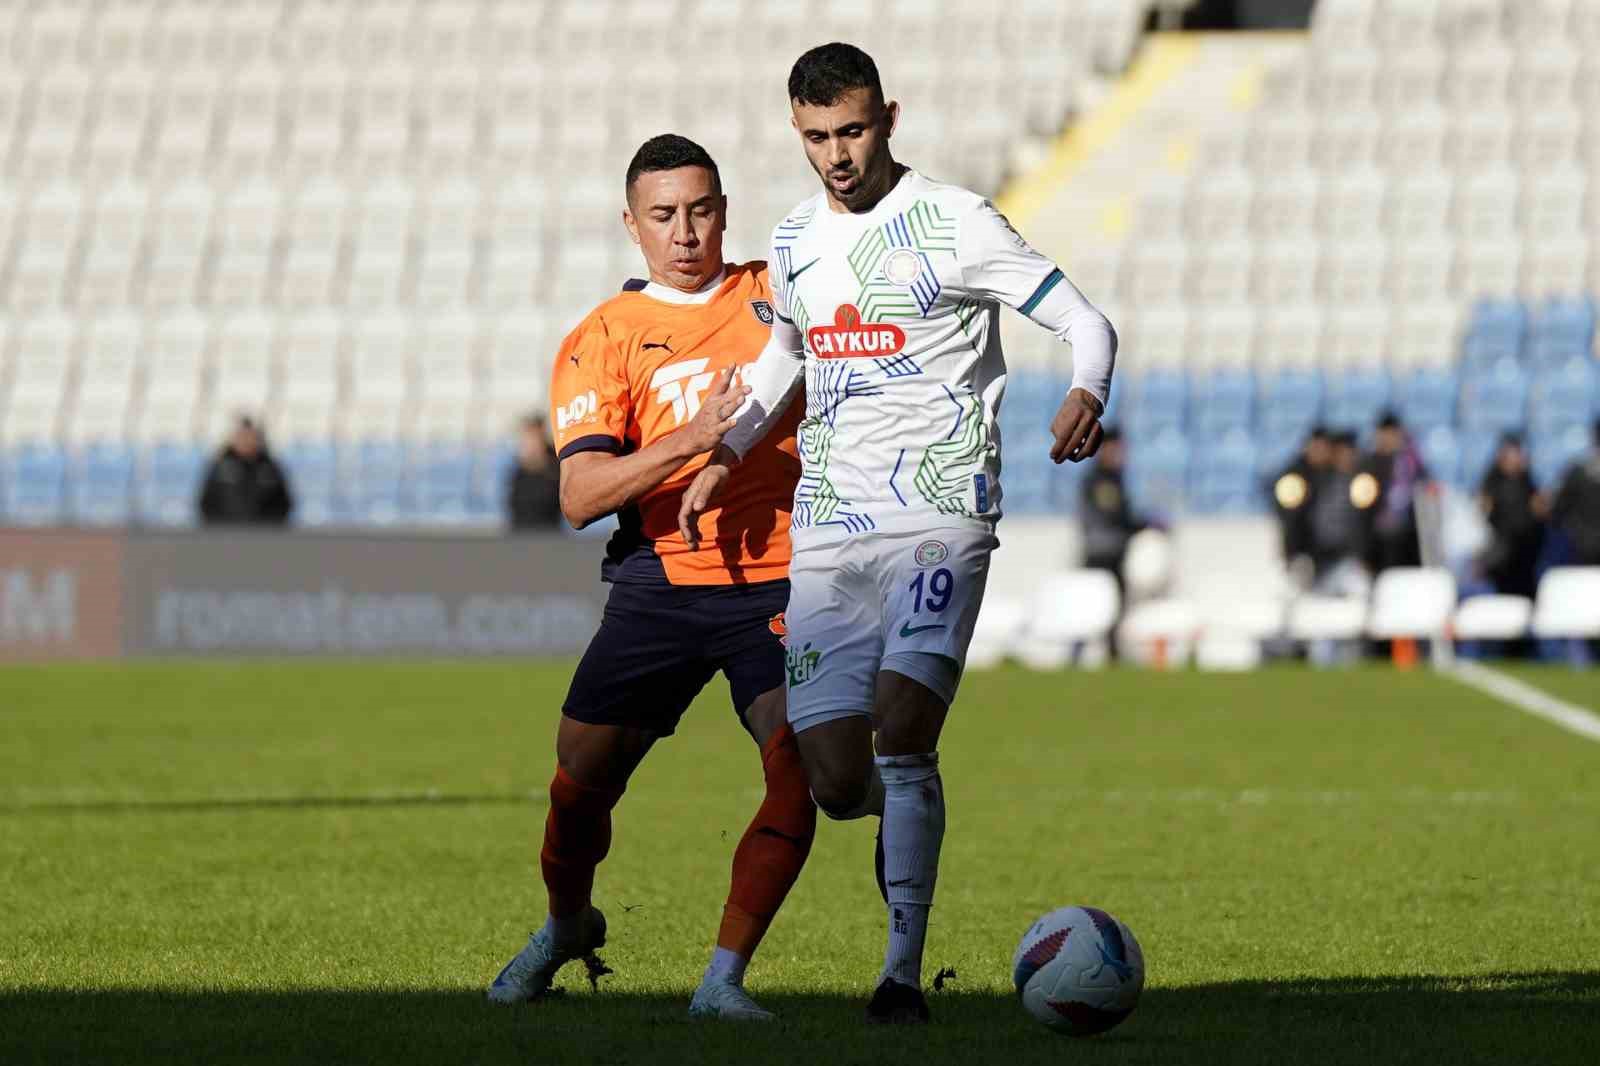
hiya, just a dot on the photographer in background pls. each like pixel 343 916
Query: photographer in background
pixel 245 486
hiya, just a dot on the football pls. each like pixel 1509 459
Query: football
pixel 1078 970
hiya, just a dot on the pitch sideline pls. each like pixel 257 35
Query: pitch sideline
pixel 1525 697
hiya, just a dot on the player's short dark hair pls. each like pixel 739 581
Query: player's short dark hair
pixel 1389 420
pixel 824 74
pixel 669 151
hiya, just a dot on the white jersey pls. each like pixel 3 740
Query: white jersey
pixel 895 312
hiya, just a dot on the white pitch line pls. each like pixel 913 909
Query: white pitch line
pixel 1525 697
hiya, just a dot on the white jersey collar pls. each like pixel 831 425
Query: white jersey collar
pixel 667 294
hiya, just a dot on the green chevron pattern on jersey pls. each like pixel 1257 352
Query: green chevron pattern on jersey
pixel 930 230
pixel 816 440
pixel 945 473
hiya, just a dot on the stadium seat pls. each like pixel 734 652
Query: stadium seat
pixel 1221 401
pixel 1157 401
pixel 440 483
pixel 1564 393
pixel 168 482
pixel 33 484
pixel 100 485
pixel 1427 398
pixel 1069 608
pixel 1492 617
pixel 1157 474
pixel 1494 397
pixel 1441 452
pixel 1568 603
pixel 1554 448
pixel 1334 618
pixel 1160 633
pixel 1355 398
pixel 1223 477
pixel 1411 601
pixel 1000 625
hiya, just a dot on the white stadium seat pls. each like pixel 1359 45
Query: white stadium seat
pixel 1568 602
pixel 1160 633
pixel 1069 609
pixel 999 630
pixel 1415 602
pixel 1334 618
pixel 1492 617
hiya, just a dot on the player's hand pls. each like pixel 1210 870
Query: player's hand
pixel 718 412
pixel 698 496
pixel 1076 428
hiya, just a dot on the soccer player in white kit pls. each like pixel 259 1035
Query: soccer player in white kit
pixel 887 287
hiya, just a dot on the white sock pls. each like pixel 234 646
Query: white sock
pixel 913 829
pixel 726 967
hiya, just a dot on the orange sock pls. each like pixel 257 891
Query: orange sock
pixel 769 856
pixel 577 835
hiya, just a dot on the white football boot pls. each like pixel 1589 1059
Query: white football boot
pixel 725 1000
pixel 529 974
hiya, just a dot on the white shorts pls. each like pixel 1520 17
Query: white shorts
pixel 903 602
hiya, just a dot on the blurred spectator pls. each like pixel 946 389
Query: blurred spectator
pixel 1510 503
pixel 1108 519
pixel 1293 494
pixel 1576 510
pixel 1397 467
pixel 1341 497
pixel 245 485
pixel 533 497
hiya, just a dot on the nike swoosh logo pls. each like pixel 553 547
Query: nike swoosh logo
pixel 908 630
pixel 900 883
pixel 796 273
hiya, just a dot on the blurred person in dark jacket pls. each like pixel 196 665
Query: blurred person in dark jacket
pixel 1510 504
pixel 1341 499
pixel 533 497
pixel 245 485
pixel 1576 509
pixel 1397 467
pixel 1294 493
pixel 1108 519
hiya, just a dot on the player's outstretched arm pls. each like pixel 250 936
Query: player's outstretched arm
pixel 996 263
pixel 595 484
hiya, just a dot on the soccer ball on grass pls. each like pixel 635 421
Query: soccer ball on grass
pixel 1078 970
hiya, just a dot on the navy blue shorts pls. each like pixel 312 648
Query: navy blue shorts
pixel 659 645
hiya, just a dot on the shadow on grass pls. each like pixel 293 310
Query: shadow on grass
pixel 230 804
pixel 1512 1017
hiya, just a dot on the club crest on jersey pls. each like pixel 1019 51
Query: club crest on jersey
pixel 763 311
pixel 902 267
pixel 931 553
pixel 850 338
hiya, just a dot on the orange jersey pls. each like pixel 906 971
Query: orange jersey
pixel 634 371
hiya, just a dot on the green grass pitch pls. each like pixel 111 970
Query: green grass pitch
pixel 283 862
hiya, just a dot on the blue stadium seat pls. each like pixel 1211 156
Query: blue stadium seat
pixel 1570 320
pixel 1157 474
pixel 1222 401
pixel 33 484
pixel 373 477
pixel 1224 477
pixel 1289 402
pixel 1441 454
pixel 441 483
pixel 1565 393
pixel 1494 398
pixel 1486 350
pixel 1553 351
pixel 100 484
pixel 1428 398
pixel 1476 449
pixel 1356 398
pixel 491 475
pixel 167 486
pixel 1554 450
pixel 312 470
pixel 1504 322
pixel 1156 402
pixel 1276 448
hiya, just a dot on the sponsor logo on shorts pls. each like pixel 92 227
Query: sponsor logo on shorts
pixel 779 628
pixel 763 311
pixel 850 338
pixel 902 267
pixel 802 665
pixel 931 553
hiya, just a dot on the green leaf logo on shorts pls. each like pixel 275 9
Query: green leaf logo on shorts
pixel 802 665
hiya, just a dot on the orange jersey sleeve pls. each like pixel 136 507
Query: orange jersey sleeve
pixel 634 372
pixel 589 401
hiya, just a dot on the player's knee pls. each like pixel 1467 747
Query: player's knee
pixel 840 796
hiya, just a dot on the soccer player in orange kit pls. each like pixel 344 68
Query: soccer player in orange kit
pixel 643 389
